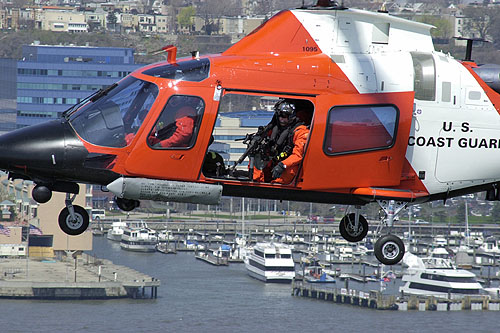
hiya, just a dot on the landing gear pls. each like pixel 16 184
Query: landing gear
pixel 352 230
pixel 127 204
pixel 389 249
pixel 73 220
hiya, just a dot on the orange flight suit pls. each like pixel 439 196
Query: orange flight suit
pixel 180 138
pixel 292 162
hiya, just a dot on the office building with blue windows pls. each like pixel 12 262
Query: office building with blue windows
pixel 50 79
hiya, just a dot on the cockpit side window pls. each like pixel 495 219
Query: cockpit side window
pixel 178 124
pixel 114 119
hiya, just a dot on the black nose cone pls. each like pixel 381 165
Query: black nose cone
pixel 49 147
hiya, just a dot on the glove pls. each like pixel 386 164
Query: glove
pixel 278 170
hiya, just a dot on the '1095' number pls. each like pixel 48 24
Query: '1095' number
pixel 309 48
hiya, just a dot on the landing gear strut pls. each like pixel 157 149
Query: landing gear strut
pixel 73 220
pixel 389 249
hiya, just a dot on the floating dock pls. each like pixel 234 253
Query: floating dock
pixel 376 300
pixel 213 260
pixel 83 278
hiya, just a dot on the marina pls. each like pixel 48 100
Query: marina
pixel 192 291
pixel 324 263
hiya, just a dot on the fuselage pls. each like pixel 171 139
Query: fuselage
pixel 391 117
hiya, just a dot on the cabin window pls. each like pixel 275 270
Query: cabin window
pixel 241 116
pixel 358 128
pixel 178 124
pixel 424 76
pixel 446 92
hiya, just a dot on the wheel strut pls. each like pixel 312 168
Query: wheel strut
pixel 69 204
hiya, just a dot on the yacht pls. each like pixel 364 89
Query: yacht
pixel 116 231
pixel 437 277
pixel 271 262
pixel 139 239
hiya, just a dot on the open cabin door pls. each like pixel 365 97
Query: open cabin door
pixel 358 141
pixel 174 141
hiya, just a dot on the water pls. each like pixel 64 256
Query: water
pixel 197 297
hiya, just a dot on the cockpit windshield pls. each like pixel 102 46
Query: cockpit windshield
pixel 113 119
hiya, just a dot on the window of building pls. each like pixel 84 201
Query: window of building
pixel 358 128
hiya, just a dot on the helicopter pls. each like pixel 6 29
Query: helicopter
pixel 392 121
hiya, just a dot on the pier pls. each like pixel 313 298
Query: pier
pixel 211 259
pixel 67 278
pixel 376 300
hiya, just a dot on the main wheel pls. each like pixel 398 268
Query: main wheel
pixel 126 204
pixel 348 231
pixel 389 249
pixel 74 226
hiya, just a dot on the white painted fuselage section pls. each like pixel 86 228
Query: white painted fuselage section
pixel 454 140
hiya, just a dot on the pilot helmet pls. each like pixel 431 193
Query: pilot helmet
pixel 284 108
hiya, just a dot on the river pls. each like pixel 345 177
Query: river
pixel 197 297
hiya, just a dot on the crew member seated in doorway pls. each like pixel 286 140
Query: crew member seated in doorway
pixel 288 137
pixel 182 130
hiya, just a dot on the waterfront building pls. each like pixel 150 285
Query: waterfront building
pixel 50 79
pixel 232 126
pixel 7 95
pixel 44 218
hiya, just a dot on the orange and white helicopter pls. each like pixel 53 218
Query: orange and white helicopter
pixel 393 121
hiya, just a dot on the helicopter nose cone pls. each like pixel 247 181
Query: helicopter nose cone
pixel 46 147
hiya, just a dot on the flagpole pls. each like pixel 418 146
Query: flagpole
pixel 28 252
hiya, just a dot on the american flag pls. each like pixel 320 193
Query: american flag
pixel 34 230
pixel 4 231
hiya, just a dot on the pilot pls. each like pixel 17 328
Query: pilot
pixel 183 129
pixel 290 136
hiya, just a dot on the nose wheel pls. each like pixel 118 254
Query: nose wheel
pixel 389 249
pixel 73 220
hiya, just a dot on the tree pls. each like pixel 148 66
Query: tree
pixel 185 17
pixel 442 26
pixel 111 20
pixel 495 212
pixel 211 11
pixel 480 21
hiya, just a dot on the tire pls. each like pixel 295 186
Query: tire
pixel 126 204
pixel 389 249
pixel 76 227
pixel 347 231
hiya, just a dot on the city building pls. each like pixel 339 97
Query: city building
pixel 50 79
pixel 232 127
pixel 8 94
pixel 21 216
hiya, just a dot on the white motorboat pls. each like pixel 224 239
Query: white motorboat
pixel 166 236
pixel 437 277
pixel 271 262
pixel 139 239
pixel 116 231
pixel 490 246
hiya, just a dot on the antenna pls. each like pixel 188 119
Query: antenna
pixel 171 52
